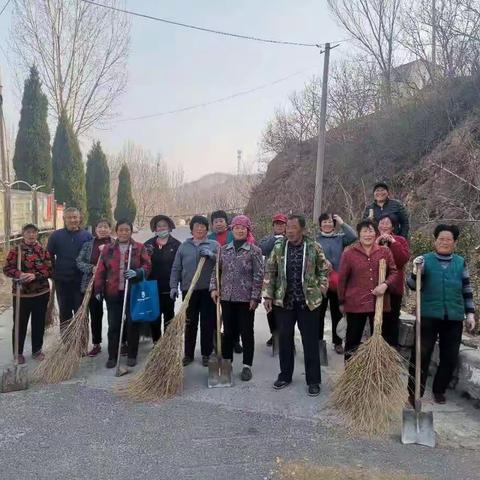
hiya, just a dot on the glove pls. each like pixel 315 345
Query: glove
pixel 99 297
pixel 470 322
pixel 173 293
pixel 130 274
pixel 205 252
pixel 418 263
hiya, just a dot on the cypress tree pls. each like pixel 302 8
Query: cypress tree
pixel 125 208
pixel 99 204
pixel 32 160
pixel 68 172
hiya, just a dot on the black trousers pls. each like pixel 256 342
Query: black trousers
pixel 271 322
pixel 237 317
pixel 308 325
pixel 449 333
pixel 96 319
pixel 69 298
pixel 36 308
pixel 335 313
pixel 201 305
pixel 167 311
pixel 391 320
pixel 355 327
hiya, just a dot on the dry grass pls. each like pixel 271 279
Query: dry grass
pixel 162 376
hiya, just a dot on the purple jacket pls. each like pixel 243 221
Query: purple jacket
pixel 241 273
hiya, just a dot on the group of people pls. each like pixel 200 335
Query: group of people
pixel 297 276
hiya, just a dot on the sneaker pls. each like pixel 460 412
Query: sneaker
pixel 187 361
pixel 270 342
pixel 124 350
pixel 38 356
pixel 131 362
pixel 111 363
pixel 279 384
pixel 440 398
pixel 237 348
pixel 313 390
pixel 339 349
pixel 205 360
pixel 21 359
pixel 95 350
pixel 246 374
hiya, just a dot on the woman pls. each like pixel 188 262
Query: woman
pixel 241 279
pixel 358 283
pixel 35 270
pixel 162 249
pixel 86 262
pixel 110 284
pixel 398 245
pixel 333 243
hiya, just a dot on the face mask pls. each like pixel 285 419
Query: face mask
pixel 163 234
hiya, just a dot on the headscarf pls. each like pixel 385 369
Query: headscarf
pixel 244 221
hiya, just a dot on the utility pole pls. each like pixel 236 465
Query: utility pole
pixel 317 203
pixel 239 161
pixel 3 139
pixel 434 41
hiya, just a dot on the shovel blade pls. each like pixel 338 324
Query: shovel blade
pixel 121 371
pixel 322 345
pixel 219 372
pixel 417 427
pixel 14 379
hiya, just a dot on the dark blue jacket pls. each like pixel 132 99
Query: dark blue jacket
pixel 64 247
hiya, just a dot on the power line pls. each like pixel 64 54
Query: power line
pixel 4 7
pixel 218 100
pixel 204 29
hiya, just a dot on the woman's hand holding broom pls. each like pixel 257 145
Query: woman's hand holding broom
pixel 380 290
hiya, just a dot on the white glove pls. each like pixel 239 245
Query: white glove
pixel 418 264
pixel 470 322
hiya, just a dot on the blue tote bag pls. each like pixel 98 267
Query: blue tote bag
pixel 144 303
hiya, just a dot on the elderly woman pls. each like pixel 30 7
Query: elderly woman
pixel 110 281
pixel 86 262
pixel 400 249
pixel 241 279
pixel 162 248
pixel 358 284
pixel 333 243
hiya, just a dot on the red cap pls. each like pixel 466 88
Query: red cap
pixel 280 217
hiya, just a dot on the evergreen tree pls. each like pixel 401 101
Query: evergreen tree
pixel 126 208
pixel 32 160
pixel 68 172
pixel 99 204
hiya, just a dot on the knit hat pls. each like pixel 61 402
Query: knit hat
pixel 198 219
pixel 158 218
pixel 219 214
pixel 279 217
pixel 380 185
pixel 242 220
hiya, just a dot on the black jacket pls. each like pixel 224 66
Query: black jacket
pixel 162 261
pixel 391 206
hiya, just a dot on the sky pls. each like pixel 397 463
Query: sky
pixel 171 67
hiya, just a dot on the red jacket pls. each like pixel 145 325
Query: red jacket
pixel 401 254
pixel 107 276
pixel 358 276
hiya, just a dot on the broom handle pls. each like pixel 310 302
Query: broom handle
pixel 124 309
pixel 418 359
pixel 382 272
pixel 218 306
pixel 18 292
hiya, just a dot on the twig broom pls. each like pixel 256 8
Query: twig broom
pixel 162 376
pixel 371 391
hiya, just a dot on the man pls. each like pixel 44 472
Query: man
pixel 64 246
pixel 446 302
pixel 296 279
pixel 35 270
pixel 279 224
pixel 201 304
pixel 383 204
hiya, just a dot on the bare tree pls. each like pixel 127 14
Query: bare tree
pixel 374 25
pixel 80 51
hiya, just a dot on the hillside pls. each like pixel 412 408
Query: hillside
pixel 403 145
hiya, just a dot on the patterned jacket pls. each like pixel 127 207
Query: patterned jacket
pixel 241 273
pixel 35 259
pixel 107 276
pixel 315 274
pixel 84 263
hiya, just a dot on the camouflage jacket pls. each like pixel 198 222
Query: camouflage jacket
pixel 315 274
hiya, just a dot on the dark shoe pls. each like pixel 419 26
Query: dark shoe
pixel 205 360
pixel 411 400
pixel 440 398
pixel 21 359
pixel 246 374
pixel 237 348
pixel 111 363
pixel 95 351
pixel 124 350
pixel 131 362
pixel 270 342
pixel 279 384
pixel 38 356
pixel 313 390
pixel 187 361
pixel 339 349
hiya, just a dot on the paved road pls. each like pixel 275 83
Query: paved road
pixel 82 430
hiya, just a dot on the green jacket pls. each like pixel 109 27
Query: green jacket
pixel 315 274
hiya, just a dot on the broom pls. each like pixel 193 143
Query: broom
pixel 62 358
pixel 371 391
pixel 162 376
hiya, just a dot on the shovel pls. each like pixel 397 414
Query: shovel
pixel 219 368
pixel 120 371
pixel 417 426
pixel 15 377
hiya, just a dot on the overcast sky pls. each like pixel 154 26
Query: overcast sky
pixel 172 67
